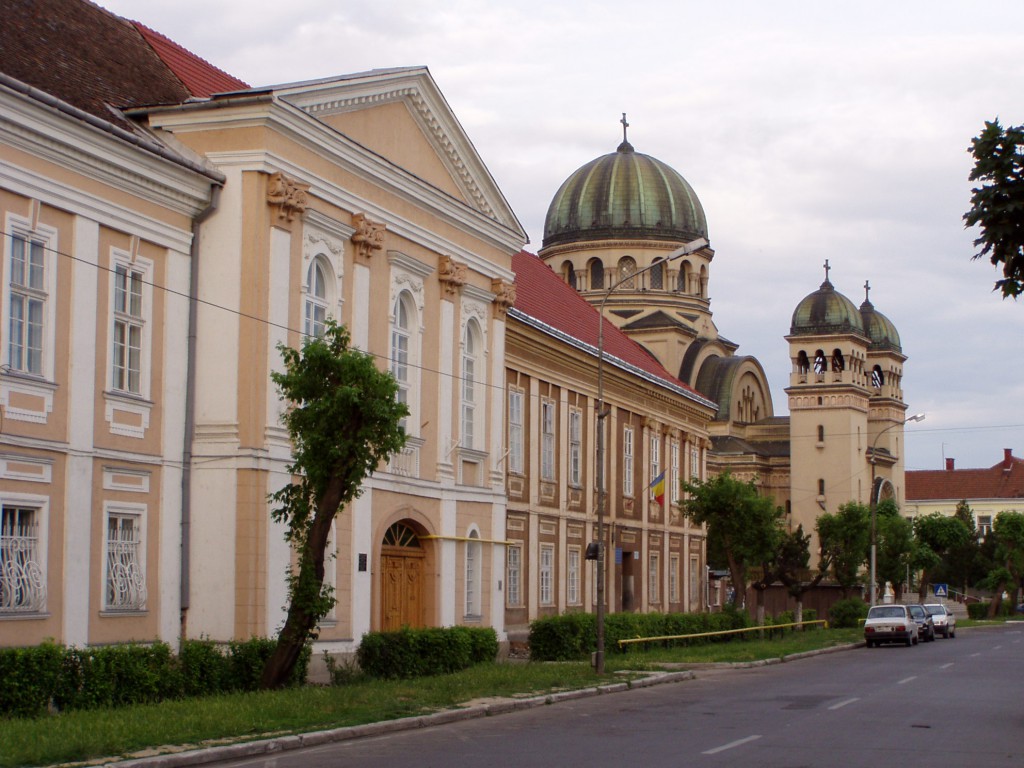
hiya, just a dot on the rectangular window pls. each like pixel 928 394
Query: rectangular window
pixel 126 577
pixel 655 459
pixel 514 575
pixel 984 525
pixel 673 478
pixel 515 431
pixel 22 569
pixel 28 298
pixel 654 578
pixel 575 447
pixel 473 577
pixel 547 572
pixel 128 325
pixel 673 578
pixel 572 573
pixel 468 400
pixel 694 463
pixel 627 461
pixel 547 430
pixel 694 582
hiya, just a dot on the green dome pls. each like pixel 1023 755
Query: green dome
pixel 879 328
pixel 624 195
pixel 826 311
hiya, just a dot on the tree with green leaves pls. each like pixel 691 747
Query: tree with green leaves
pixel 845 538
pixel 1008 571
pixel 963 564
pixel 344 419
pixel 894 545
pixel 997 206
pixel 936 534
pixel 791 563
pixel 741 524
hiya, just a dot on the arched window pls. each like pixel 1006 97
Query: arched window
pixel 877 377
pixel 569 273
pixel 703 293
pixel 838 363
pixel 803 365
pixel 820 363
pixel 596 275
pixel 684 277
pixel 316 299
pixel 627 268
pixel 474 566
pixel 403 350
pixel 658 275
pixel 821 433
pixel 471 350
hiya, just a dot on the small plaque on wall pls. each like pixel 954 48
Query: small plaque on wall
pixel 362 562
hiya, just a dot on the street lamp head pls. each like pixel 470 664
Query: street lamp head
pixel 690 247
pixel 915 417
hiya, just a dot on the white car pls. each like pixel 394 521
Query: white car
pixel 943 618
pixel 890 624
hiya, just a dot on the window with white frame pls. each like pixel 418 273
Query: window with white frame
pixel 547 574
pixel 126 570
pixel 572 576
pixel 28 294
pixel 547 441
pixel 984 525
pixel 694 581
pixel 655 460
pixel 673 578
pixel 317 295
pixel 694 463
pixel 627 461
pixel 515 431
pixel 471 351
pixel 473 569
pixel 514 575
pixel 401 323
pixel 673 475
pixel 129 325
pixel 22 560
pixel 654 578
pixel 575 447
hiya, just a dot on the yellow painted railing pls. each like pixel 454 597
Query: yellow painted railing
pixel 766 628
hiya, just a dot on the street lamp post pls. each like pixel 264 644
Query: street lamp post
pixel 602 413
pixel 874 498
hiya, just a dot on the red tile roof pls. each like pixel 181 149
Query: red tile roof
pixel 94 60
pixel 1004 480
pixel 199 76
pixel 545 297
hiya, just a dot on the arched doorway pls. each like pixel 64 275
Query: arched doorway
pixel 403 565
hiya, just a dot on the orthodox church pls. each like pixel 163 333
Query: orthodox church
pixel 612 232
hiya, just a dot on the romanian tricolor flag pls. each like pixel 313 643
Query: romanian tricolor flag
pixel 658 486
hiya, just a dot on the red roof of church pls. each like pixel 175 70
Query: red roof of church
pixel 94 60
pixel 545 297
pixel 1004 480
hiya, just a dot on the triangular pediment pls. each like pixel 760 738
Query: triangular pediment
pixel 401 116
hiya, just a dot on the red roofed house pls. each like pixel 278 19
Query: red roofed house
pixel 656 424
pixel 987 491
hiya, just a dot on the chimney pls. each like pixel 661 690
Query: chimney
pixel 949 464
pixel 1007 459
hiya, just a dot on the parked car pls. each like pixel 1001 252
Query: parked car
pixel 942 618
pixel 890 624
pixel 925 625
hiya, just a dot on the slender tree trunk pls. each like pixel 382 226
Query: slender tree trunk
pixel 798 614
pixel 997 600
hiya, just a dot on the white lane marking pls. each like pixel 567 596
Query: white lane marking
pixel 906 680
pixel 730 745
pixel 996 648
pixel 842 704
pixel 946 666
pixel 973 655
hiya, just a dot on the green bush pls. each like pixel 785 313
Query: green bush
pixel 201 667
pixel 246 659
pixel 115 676
pixel 846 614
pixel 28 677
pixel 409 653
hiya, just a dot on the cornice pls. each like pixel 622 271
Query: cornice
pixel 268 162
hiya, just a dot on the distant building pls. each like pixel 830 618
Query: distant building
pixel 987 491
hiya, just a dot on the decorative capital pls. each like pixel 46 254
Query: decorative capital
pixel 452 275
pixel 504 296
pixel 289 196
pixel 368 237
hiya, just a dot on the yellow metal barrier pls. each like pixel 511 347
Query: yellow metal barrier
pixel 766 628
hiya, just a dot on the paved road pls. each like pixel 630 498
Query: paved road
pixel 947 703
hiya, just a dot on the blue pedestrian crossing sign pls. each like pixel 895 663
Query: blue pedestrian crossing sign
pixel 941 590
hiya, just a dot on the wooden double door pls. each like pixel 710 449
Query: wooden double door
pixel 402 584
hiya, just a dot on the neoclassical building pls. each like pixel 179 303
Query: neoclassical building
pixel 611 232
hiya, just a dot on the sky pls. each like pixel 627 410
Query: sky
pixel 809 131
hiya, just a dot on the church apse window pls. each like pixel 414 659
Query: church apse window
pixel 684 277
pixel 569 274
pixel 596 271
pixel 658 275
pixel 627 270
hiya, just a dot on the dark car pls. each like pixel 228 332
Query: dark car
pixel 925 624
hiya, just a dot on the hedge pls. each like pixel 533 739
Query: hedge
pixel 33 680
pixel 409 653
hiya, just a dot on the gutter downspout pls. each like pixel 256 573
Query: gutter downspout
pixel 190 418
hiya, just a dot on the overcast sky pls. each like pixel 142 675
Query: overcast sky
pixel 809 130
